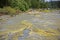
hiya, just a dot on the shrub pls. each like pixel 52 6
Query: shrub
pixel 10 10
pixel 35 3
pixel 19 4
pixel 3 11
pixel 28 2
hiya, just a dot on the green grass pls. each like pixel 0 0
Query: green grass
pixel 8 11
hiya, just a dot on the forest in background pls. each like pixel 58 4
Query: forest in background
pixel 10 6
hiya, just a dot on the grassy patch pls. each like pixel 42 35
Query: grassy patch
pixel 8 11
pixel 47 11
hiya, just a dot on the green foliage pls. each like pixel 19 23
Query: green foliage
pixel 38 4
pixel 28 2
pixel 43 5
pixel 8 10
pixel 35 3
pixel 19 4
pixel 24 5
pixel 47 11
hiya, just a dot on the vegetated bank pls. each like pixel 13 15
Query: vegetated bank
pixel 13 7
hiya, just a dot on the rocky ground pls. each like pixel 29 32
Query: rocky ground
pixel 31 26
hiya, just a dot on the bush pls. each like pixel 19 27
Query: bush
pixel 3 11
pixel 35 3
pixel 19 4
pixel 8 10
pixel 28 2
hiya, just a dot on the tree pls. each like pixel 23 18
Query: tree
pixel 35 3
pixel 4 3
pixel 28 2
pixel 19 4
